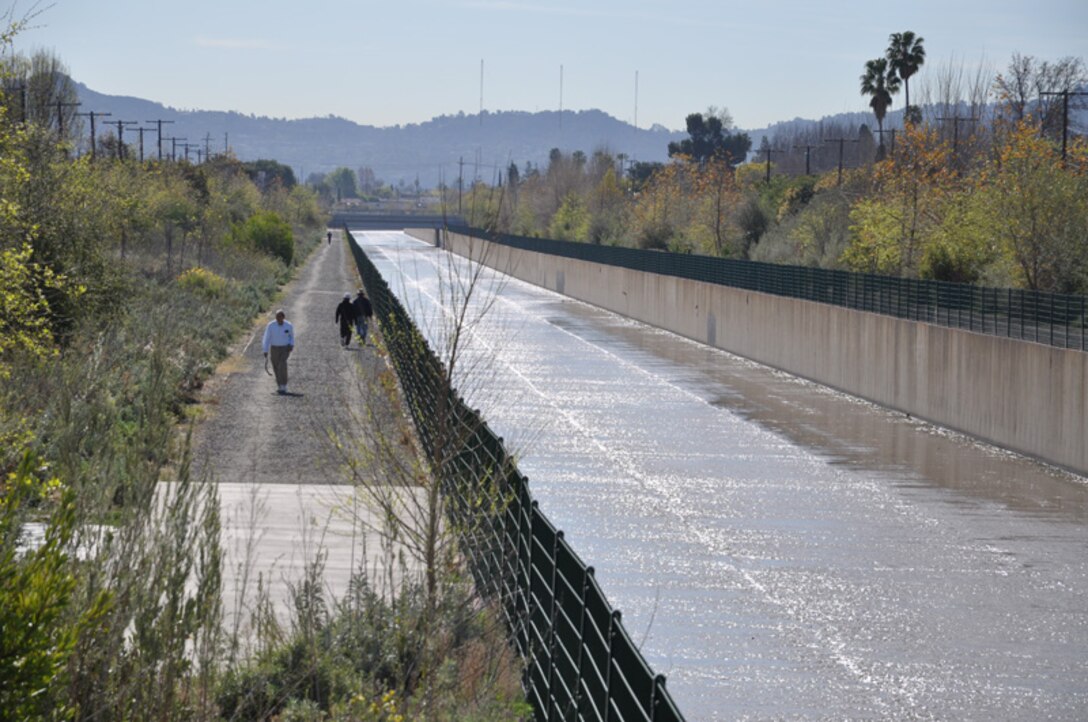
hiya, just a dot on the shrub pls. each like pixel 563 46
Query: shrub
pixel 269 233
pixel 203 282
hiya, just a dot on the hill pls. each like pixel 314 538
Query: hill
pixel 426 151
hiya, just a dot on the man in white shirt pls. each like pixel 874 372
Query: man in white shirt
pixel 279 339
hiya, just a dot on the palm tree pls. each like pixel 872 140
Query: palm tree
pixel 906 55
pixel 881 83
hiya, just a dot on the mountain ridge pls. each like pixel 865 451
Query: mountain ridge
pixel 433 151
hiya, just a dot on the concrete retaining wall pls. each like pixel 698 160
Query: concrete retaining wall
pixel 1018 395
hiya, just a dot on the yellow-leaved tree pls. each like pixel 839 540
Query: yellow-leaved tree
pixel 1034 206
pixel 891 229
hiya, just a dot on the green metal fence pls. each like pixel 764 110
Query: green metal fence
pixel 580 661
pixel 1049 318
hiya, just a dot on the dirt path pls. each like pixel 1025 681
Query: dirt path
pixel 257 436
pixel 284 492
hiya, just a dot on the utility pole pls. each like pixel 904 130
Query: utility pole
pixel 92 116
pixel 808 152
pixel 768 150
pixel 207 147
pixel 841 142
pixel 21 87
pixel 121 135
pixel 460 181
pixel 141 130
pixel 187 147
pixel 1065 114
pixel 159 124
pixel 174 147
pixel 560 97
pixel 60 116
pixel 226 143
pixel 956 120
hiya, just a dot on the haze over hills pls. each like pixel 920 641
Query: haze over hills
pixel 429 152
pixel 426 151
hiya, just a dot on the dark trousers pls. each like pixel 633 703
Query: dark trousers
pixel 345 332
pixel 279 355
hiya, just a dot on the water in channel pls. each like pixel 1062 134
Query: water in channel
pixel 780 551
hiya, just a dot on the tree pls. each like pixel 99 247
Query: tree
pixel 891 229
pixel 265 173
pixel 1032 87
pixel 709 137
pixel 1036 208
pixel 268 232
pixel 905 54
pixel 880 83
pixel 343 182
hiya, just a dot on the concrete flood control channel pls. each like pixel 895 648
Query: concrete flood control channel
pixel 779 550
pixel 285 496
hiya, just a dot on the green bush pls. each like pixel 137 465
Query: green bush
pixel 269 233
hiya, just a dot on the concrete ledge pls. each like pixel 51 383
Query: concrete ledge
pixel 1022 396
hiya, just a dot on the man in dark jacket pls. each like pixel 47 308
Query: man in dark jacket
pixel 345 316
pixel 363 312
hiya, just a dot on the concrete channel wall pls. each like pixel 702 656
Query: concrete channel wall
pixel 1018 395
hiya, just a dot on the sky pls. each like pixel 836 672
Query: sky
pixel 407 61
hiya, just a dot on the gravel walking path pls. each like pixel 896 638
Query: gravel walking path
pixel 285 494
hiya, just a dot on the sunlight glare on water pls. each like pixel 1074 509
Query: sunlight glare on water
pixel 780 550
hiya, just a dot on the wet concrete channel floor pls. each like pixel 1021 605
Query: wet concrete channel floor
pixel 780 550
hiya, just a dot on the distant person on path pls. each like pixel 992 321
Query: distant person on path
pixel 329 236
pixel 363 313
pixel 279 340
pixel 345 316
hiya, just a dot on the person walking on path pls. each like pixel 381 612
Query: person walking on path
pixel 345 316
pixel 363 313
pixel 279 340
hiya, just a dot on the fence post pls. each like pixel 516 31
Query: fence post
pixel 553 703
pixel 613 622
pixel 1051 318
pixel 655 695
pixel 581 640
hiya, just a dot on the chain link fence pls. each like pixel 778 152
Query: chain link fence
pixel 580 662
